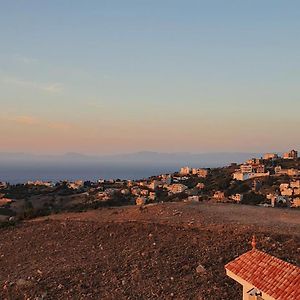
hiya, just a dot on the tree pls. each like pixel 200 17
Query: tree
pixel 253 199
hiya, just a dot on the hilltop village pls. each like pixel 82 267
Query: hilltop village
pixel 270 181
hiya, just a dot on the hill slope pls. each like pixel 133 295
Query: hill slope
pixel 128 253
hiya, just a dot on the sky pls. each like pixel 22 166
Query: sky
pixel 117 76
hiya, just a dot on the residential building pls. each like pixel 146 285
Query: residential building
pixel 277 200
pixel 140 201
pixel 200 186
pixel 284 186
pixel 200 172
pixel 103 196
pixel 269 156
pixel 289 189
pixel 290 172
pixel 135 190
pixel 253 161
pixel 239 176
pixel 296 192
pixel 246 168
pixel 177 188
pixel 40 183
pixel 185 171
pixel 218 195
pixel 166 179
pixel 278 169
pixel 259 168
pixel 293 154
pixel 154 184
pixel 152 196
pixel 287 192
pixel 75 185
pixel 246 176
pixel 264 277
pixel 237 197
pixel 296 202
pixel 295 184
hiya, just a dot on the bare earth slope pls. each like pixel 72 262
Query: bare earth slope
pixel 128 253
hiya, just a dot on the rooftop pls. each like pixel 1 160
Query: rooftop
pixel 271 275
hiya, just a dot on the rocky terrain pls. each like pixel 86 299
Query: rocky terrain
pixel 163 251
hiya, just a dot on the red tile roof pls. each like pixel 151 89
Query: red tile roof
pixel 271 275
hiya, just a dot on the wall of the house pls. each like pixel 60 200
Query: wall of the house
pixel 247 287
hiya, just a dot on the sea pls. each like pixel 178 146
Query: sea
pixel 55 172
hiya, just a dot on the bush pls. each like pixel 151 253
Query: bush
pixel 253 199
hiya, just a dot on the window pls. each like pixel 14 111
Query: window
pixel 254 294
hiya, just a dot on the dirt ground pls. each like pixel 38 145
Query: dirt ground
pixel 133 253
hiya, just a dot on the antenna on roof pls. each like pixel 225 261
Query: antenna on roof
pixel 253 242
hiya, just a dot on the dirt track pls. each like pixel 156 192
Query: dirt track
pixel 125 253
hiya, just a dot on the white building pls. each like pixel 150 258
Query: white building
pixel 293 154
pixel 140 201
pixel 296 202
pixel 154 184
pixel 40 183
pixel 246 176
pixel 218 195
pixel 237 198
pixel 200 186
pixel 246 168
pixel 287 192
pixel 284 186
pixel 166 179
pixel 185 170
pixel 76 184
pixel 177 188
pixel 268 156
pixel 152 196
pixel 200 172
pixel 295 184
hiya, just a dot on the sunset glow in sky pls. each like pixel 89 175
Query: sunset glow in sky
pixel 162 75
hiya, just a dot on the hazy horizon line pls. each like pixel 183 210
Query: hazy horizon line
pixel 134 152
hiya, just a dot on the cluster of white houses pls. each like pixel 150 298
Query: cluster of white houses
pixel 255 168
pixel 141 191
pixel 293 154
pixel 145 191
pixel 289 194
pixel 194 171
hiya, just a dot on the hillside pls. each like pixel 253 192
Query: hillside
pixel 134 253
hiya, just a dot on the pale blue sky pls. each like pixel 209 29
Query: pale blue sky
pixel 167 75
